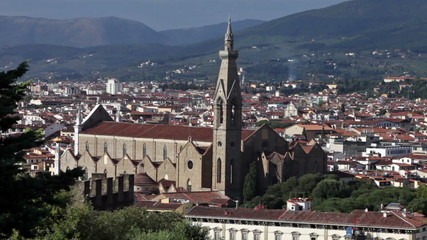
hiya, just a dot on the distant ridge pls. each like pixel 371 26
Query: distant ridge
pixel 354 24
pixel 89 32
pixel 78 32
pixel 199 34
pixel 304 43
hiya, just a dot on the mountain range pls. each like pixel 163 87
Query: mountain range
pixel 90 32
pixel 305 43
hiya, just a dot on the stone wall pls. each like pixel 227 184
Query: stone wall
pixel 108 193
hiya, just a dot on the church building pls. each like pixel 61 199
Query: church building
pixel 193 158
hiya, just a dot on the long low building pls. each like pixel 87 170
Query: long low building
pixel 282 224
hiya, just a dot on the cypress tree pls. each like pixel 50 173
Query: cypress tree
pixel 24 200
pixel 250 186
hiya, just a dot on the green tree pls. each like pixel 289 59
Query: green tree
pixel 330 188
pixel 25 201
pixel 422 192
pixel 81 221
pixel 308 182
pixel 250 185
pixel 418 205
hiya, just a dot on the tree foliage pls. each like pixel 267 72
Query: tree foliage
pixel 81 221
pixel 250 185
pixel 331 195
pixel 25 201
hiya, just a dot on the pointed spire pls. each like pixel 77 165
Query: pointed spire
pixel 57 158
pixel 118 114
pixel 229 37
pixel 79 117
pixel 77 129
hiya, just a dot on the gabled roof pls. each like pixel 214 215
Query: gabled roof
pixel 157 131
pixel 143 178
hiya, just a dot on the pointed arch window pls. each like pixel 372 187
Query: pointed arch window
pixel 218 170
pixel 105 147
pixel 233 113
pixel 189 185
pixel 165 152
pixel 220 110
pixel 124 150
pixel 87 146
pixel 231 170
pixel 144 150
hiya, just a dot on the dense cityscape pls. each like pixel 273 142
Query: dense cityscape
pixel 304 157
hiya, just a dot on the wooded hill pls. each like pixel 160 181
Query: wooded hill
pixel 311 43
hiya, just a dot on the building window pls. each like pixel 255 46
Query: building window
pixel 231 170
pixel 313 236
pixel 218 170
pixel 233 112
pixel 295 235
pixel 220 110
pixel 245 234
pixel 335 237
pixel 165 152
pixel 87 146
pixel 144 150
pixel 105 147
pixel 189 185
pixel 257 235
pixel 190 164
pixel 124 150
pixel 217 233
pixel 233 234
pixel 278 235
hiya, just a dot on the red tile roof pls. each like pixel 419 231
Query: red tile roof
pixel 212 197
pixel 157 131
pixel 355 218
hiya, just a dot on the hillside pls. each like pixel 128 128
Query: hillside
pixel 314 43
pixel 79 32
pixel 90 32
pixel 199 34
pixel 361 24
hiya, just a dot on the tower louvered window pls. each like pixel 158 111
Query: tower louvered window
pixel 165 152
pixel 218 170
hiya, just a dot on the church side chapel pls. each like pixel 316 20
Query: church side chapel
pixel 193 158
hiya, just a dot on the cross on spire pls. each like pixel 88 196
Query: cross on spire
pixel 229 37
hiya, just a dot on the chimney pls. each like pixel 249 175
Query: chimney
pixel 385 214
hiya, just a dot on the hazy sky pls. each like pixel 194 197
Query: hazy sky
pixel 162 14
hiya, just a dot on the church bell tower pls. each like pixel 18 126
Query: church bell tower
pixel 227 129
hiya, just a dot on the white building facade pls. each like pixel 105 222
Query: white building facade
pixel 114 86
pixel 281 224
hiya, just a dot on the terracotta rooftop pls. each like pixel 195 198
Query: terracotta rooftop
pixel 143 178
pixel 154 205
pixel 211 197
pixel 157 131
pixel 355 218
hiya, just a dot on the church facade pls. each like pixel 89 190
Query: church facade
pixel 194 158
